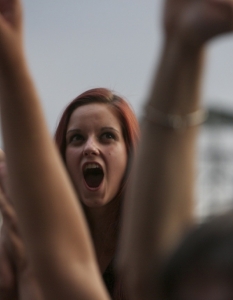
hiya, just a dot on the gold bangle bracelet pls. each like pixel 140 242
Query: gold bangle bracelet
pixel 175 121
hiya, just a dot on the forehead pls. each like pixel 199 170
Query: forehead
pixel 97 114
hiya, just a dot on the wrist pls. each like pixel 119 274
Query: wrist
pixel 178 80
pixel 183 48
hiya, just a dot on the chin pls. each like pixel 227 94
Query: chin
pixel 94 203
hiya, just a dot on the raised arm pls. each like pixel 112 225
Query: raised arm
pixel 159 206
pixel 50 218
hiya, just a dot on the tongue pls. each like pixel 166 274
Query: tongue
pixel 93 180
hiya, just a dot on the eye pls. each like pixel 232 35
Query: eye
pixel 75 138
pixel 108 136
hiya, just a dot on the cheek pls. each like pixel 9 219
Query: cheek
pixel 68 166
pixel 68 157
pixel 72 159
pixel 119 160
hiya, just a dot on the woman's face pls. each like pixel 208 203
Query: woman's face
pixel 96 155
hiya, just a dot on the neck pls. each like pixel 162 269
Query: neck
pixel 103 227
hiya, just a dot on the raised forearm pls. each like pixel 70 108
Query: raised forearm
pixel 50 218
pixel 175 88
pixel 160 200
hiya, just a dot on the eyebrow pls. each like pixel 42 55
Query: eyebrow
pixel 102 129
pixel 73 130
pixel 109 128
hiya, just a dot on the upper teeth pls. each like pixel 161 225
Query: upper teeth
pixel 91 166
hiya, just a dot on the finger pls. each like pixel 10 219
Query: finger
pixel 2 155
pixel 12 240
pixel 3 174
pixel 8 214
pixel 11 236
pixel 3 167
pixel 15 247
pixel 7 277
pixel 7 210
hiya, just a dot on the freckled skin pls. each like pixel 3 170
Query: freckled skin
pixel 94 135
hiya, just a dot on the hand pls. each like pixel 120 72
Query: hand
pixel 8 285
pixel 18 279
pixel 8 281
pixel 11 14
pixel 12 239
pixel 10 28
pixel 197 21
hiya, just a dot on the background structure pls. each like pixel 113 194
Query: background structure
pixel 215 164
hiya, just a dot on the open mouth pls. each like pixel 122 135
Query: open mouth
pixel 93 175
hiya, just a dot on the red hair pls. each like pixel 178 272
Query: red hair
pixel 126 116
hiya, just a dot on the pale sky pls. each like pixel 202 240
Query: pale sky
pixel 76 45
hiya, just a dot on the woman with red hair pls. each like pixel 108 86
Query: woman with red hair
pixel 102 208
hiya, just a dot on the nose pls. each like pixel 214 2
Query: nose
pixel 90 147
